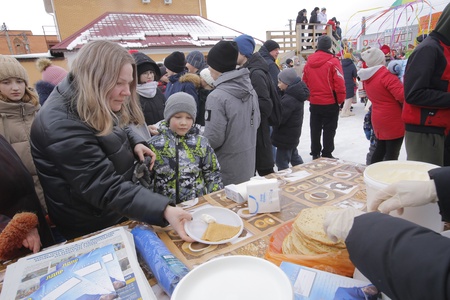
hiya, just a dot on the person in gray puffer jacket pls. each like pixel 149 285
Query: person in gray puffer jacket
pixel 186 166
pixel 232 114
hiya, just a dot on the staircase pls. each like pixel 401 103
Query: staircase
pixel 299 41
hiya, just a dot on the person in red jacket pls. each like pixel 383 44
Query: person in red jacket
pixel 426 111
pixel 325 79
pixel 385 91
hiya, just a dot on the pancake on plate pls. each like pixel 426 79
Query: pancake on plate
pixel 218 232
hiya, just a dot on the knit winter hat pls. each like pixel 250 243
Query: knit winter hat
pixel 196 59
pixel 180 102
pixel 288 76
pixel 50 73
pixel 246 44
pixel 205 74
pixel 385 49
pixel 271 45
pixel 324 43
pixel 145 63
pixel 395 67
pixel 11 67
pixel 373 57
pixel 223 56
pixel 175 62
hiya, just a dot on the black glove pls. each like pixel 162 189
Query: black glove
pixel 142 173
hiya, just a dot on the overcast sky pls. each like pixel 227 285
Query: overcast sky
pixel 253 17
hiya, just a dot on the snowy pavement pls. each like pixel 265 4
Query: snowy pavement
pixel 350 141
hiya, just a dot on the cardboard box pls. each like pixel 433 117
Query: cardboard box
pixel 262 195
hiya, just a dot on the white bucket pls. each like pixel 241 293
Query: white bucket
pixel 379 175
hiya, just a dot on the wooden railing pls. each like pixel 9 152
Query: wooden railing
pixel 302 41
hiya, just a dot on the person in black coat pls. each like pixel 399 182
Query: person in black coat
pixel 18 194
pixel 287 136
pixel 86 154
pixel 262 83
pixel 313 19
pixel 301 20
pixel 402 259
pixel 150 96
pixel 350 75
pixel 269 51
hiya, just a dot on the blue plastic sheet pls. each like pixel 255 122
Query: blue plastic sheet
pixel 168 269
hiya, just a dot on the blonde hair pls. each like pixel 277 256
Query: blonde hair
pixel 96 71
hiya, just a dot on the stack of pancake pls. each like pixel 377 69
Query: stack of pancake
pixel 308 236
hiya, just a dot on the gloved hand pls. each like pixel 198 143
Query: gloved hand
pixel 142 173
pixel 404 194
pixel 338 223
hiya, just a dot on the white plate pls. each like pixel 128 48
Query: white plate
pixel 189 203
pixel 196 228
pixel 235 277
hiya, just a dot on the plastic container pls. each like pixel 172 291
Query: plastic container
pixel 379 175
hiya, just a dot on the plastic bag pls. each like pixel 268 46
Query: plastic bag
pixel 338 263
pixel 168 269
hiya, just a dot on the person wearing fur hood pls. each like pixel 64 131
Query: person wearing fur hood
pixel 51 76
pixel 385 91
pixel 150 96
pixel 19 105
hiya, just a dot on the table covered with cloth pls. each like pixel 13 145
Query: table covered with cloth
pixel 320 182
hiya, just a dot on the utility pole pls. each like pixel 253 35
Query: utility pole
pixel 290 24
pixel 4 28
pixel 290 29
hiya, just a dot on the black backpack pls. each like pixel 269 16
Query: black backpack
pixel 277 110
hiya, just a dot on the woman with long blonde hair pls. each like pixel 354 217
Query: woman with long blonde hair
pixel 85 154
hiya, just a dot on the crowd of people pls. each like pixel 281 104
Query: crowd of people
pixel 120 137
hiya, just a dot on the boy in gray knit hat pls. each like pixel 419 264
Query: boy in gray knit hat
pixel 287 136
pixel 186 166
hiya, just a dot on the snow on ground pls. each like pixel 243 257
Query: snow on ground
pixel 350 141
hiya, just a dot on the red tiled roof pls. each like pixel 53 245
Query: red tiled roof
pixel 140 30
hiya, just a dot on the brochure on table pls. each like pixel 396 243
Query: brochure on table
pixel 311 283
pixel 104 264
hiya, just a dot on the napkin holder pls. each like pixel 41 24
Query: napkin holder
pixel 237 192
pixel 262 195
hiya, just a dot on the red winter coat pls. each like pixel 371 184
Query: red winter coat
pixel 325 79
pixel 385 91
